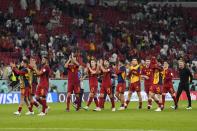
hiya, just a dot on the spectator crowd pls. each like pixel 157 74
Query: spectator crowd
pixel 56 28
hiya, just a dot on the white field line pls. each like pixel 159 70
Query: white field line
pixel 74 129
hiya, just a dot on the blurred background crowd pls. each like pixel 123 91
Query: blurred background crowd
pixel 57 27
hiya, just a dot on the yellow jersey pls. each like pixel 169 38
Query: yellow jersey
pixel 135 71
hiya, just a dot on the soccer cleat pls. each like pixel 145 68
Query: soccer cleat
pixel 97 109
pixel 174 107
pixel 29 113
pixel 42 114
pixel 158 109
pixel 17 113
pixel 189 108
pixel 140 107
pixel 121 108
pixel 86 108
pixel 113 109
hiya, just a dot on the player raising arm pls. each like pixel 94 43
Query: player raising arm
pixel 92 72
pixel 43 85
pixel 72 66
pixel 106 85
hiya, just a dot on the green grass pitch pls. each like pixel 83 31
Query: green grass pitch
pixel 131 119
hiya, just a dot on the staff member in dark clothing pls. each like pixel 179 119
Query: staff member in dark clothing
pixel 185 79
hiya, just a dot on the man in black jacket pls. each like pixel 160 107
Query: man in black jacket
pixel 185 79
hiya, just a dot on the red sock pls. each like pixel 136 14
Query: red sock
pixel 68 103
pixel 39 100
pixel 140 104
pixel 127 102
pixel 163 100
pixel 150 102
pixel 35 104
pixel 160 104
pixel 44 105
pixel 30 108
pixel 78 102
pixel 101 101
pixel 96 101
pixel 19 109
pixel 174 98
pixel 112 102
pixel 90 101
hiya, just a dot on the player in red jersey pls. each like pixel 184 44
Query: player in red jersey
pixel 120 71
pixel 43 85
pixel 24 85
pixel 167 84
pixel 146 73
pixel 92 71
pixel 72 66
pixel 106 85
pixel 155 89
pixel 33 82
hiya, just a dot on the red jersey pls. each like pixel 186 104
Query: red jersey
pixel 147 71
pixel 167 77
pixel 44 77
pixel 106 81
pixel 93 81
pixel 73 77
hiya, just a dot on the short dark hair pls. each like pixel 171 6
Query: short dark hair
pixel 25 61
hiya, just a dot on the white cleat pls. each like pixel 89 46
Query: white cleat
pixel 29 113
pixel 86 108
pixel 189 108
pixel 173 107
pixel 113 109
pixel 158 109
pixel 42 114
pixel 17 113
pixel 121 109
pixel 97 109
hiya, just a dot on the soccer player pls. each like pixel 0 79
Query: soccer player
pixel 156 87
pixel 167 84
pixel 120 71
pixel 92 71
pixel 43 86
pixel 72 66
pixel 134 76
pixel 106 85
pixel 33 82
pixel 24 85
pixel 146 73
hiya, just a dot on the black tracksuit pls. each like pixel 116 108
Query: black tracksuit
pixel 185 79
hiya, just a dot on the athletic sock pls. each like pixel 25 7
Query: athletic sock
pixel 174 98
pixel 112 102
pixel 68 103
pixel 101 101
pixel 140 104
pixel 90 101
pixel 96 101
pixel 44 106
pixel 163 100
pixel 19 109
